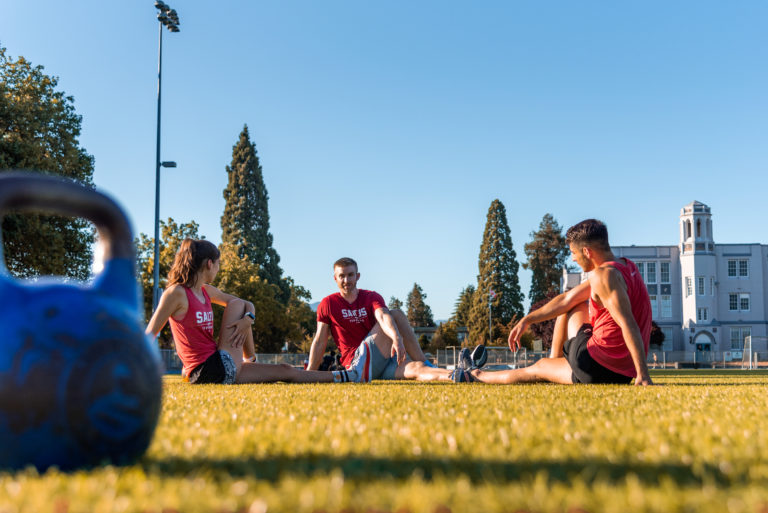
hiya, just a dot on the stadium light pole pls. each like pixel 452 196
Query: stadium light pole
pixel 169 18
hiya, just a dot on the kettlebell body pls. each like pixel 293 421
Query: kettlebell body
pixel 80 382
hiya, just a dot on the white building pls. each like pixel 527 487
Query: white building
pixel 704 296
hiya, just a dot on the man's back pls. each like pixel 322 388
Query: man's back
pixel 607 345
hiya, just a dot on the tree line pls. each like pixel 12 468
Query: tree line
pixel 39 130
pixel 491 307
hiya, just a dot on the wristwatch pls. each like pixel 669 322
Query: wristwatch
pixel 249 314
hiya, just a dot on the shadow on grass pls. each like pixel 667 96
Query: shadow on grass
pixel 362 468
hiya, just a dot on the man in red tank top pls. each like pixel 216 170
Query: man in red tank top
pixel 603 325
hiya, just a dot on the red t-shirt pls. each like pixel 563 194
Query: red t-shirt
pixel 350 322
pixel 607 345
pixel 193 335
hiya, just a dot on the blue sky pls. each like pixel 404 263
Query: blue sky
pixel 386 129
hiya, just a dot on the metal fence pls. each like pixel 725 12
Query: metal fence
pixel 172 362
pixel 502 357
pixel 707 360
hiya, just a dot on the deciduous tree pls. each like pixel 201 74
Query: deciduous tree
pixel 543 330
pixel 446 335
pixel 39 130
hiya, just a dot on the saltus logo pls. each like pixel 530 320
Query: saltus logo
pixel 354 315
pixel 203 317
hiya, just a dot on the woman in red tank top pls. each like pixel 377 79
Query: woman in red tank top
pixel 186 303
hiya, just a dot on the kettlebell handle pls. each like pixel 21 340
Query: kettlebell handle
pixel 26 191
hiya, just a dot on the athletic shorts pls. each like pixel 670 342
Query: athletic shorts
pixel 382 367
pixel 584 368
pixel 218 368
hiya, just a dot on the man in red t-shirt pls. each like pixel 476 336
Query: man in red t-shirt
pixel 371 339
pixel 603 325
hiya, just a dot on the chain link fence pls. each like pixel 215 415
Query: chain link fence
pixel 500 358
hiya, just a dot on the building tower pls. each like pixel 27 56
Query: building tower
pixel 698 272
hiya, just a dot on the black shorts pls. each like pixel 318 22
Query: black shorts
pixel 584 368
pixel 218 368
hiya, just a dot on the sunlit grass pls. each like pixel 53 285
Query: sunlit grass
pixel 698 443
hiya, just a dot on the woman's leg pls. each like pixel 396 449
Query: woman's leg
pixel 554 370
pixel 260 372
pixel 268 373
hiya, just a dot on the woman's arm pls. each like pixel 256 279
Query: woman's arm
pixel 222 298
pixel 244 323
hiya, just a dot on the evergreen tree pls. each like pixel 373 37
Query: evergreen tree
pixel 547 256
pixel 395 304
pixel 419 313
pixel 463 305
pixel 498 268
pixel 245 222
pixel 39 131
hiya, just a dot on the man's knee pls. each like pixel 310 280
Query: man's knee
pixel 398 315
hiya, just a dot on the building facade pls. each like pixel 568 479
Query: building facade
pixel 705 297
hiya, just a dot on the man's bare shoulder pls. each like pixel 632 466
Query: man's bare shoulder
pixel 606 276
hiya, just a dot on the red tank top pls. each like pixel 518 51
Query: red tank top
pixel 193 335
pixel 607 345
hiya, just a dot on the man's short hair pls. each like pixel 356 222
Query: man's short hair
pixel 344 262
pixel 591 233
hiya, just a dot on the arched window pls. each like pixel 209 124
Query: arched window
pixel 698 228
pixel 688 229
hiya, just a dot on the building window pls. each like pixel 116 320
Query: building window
pixel 744 302
pixel 641 268
pixel 666 307
pixel 738 268
pixel 711 286
pixel 698 228
pixel 738 302
pixel 654 307
pixel 667 345
pixel 743 268
pixel 688 286
pixel 701 314
pixel 664 268
pixel 738 335
pixel 700 286
pixel 650 272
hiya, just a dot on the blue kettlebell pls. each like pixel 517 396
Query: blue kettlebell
pixel 80 383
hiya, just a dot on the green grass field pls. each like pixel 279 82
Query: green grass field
pixel 697 444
